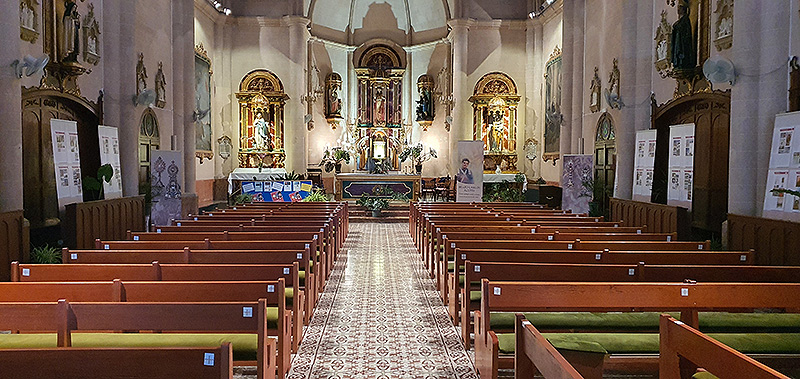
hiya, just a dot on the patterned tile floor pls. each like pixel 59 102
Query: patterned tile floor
pixel 380 316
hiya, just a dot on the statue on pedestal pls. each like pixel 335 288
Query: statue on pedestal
pixel 70 32
pixel 684 49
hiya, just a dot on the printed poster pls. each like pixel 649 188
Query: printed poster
pixel 680 175
pixel 776 201
pixel 66 162
pixel 109 154
pixel 644 162
pixel 575 197
pixel 264 191
pixel 166 171
pixel 784 168
pixel 469 175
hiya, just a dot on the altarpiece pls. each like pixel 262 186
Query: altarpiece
pixel 261 102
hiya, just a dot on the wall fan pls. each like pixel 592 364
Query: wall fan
pixel 719 69
pixel 146 98
pixel 30 65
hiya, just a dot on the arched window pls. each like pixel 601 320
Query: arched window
pixel 149 140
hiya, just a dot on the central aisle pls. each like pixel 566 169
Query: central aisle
pixel 380 316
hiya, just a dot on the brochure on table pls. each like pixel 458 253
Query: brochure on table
pixel 680 176
pixel 109 154
pixel 66 161
pixel 784 168
pixel 575 196
pixel 644 165
pixel 277 191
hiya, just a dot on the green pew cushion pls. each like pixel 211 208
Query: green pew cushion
pixel 289 291
pixel 452 265
pixel 245 346
pixel 302 276
pixel 704 375
pixel 647 343
pixel 476 296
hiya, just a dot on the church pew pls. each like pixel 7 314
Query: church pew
pixel 132 363
pixel 297 298
pixel 187 256
pixel 473 272
pixel 679 342
pixel 87 325
pixel 163 292
pixel 535 355
pixel 686 298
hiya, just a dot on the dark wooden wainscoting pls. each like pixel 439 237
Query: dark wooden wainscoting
pixel 659 218
pixel 776 242
pixel 14 241
pixel 104 219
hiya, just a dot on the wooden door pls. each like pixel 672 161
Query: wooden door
pixel 605 161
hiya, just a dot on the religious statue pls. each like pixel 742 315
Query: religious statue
pixel 496 131
pixel 380 109
pixel 70 32
pixel 684 49
pixel 91 37
pixel 424 106
pixel 263 137
pixel 141 75
pixel 595 89
pixel 161 83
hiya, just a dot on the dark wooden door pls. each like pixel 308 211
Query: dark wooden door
pixel 605 161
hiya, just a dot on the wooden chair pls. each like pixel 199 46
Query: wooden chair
pixel 442 189
pixel 428 190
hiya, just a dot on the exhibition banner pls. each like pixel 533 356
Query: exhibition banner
pixel 66 161
pixel 278 191
pixel 166 171
pixel 469 174
pixel 644 165
pixel 575 195
pixel 109 154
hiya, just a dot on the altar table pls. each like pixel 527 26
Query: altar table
pixel 350 186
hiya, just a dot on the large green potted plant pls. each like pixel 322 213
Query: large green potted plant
pixel 418 155
pixel 378 199
pixel 333 158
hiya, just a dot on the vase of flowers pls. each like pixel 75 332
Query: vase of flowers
pixel 333 159
pixel 418 155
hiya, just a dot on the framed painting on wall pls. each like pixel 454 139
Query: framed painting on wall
pixel 552 111
pixel 202 113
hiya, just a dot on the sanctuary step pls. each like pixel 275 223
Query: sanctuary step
pixel 397 212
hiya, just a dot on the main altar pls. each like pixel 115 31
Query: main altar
pixel 352 185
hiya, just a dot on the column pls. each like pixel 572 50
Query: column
pixel 761 44
pixel 533 34
pixel 578 82
pixel 187 124
pixel 295 129
pixel 10 107
pixel 120 86
pixel 462 121
pixel 567 65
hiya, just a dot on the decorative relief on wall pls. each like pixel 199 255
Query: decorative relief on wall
pixel 663 54
pixel 613 92
pixel 425 106
pixel 141 75
pixel 261 101
pixel 29 20
pixel 494 114
pixel 333 102
pixel 444 93
pixel 552 104
pixel 91 38
pixel 595 91
pixel 161 86
pixel 723 28
pixel 202 80
pixel 225 147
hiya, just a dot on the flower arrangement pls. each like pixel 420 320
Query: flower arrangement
pixel 417 154
pixel 333 158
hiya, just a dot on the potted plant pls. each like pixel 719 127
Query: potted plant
pixel 418 155
pixel 379 198
pixel 596 190
pixel 333 158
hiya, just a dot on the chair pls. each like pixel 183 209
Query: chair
pixel 442 188
pixel 428 188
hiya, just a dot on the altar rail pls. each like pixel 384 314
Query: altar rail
pixel 658 218
pixel 775 242
pixel 14 241
pixel 104 219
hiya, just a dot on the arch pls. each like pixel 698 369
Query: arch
pixel 261 100
pixel 381 55
pixel 605 131
pixel 263 81
pixel 149 140
pixel 494 114
pixel 495 83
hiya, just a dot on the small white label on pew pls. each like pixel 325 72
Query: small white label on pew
pixel 299 255
pixel 742 257
pixel 638 231
pixel 270 288
pixel 135 238
pixel 526 323
pixel 26 272
pixel 463 257
pixel 106 247
pixel 497 291
pixel 308 246
pixel 699 247
pixel 285 271
pixel 208 359
pixel 179 224
pixel 234 208
pixel 73 256
pixel 452 245
pixel 195 218
pixel 569 246
pixel 208 214
pixel 438 230
pixel 496 215
pixel 533 230
pixel 478 268
pixel 508 219
pixel 684 292
pixel 247 312
pixel 631 271
pixel 549 238
pixel 669 238
pixel 444 236
pixel 315 236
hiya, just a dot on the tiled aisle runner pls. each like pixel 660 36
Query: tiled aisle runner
pixel 380 316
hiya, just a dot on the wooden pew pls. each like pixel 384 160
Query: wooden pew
pixel 130 363
pixel 535 355
pixel 29 272
pixel 163 292
pixel 686 298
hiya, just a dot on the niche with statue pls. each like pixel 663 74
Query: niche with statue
pixel 494 106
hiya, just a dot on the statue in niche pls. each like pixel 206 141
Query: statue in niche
pixel 424 106
pixel 684 49
pixel 335 103
pixel 497 128
pixel 380 108
pixel 28 22
pixel 161 84
pixel 70 32
pixel 91 37
pixel 141 75
pixel 264 138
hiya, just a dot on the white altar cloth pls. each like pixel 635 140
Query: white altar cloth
pixel 253 174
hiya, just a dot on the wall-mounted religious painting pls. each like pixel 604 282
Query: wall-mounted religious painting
pixel 333 102
pixel 261 101
pixel 723 28
pixel 202 82
pixel 552 107
pixel 91 37
pixel 380 133
pixel 29 20
pixel 494 120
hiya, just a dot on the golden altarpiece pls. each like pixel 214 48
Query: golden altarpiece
pixel 379 132
pixel 494 121
pixel 261 102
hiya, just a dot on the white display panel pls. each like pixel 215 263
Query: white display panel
pixel 109 154
pixel 784 168
pixel 644 163
pixel 66 161
pixel 680 173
